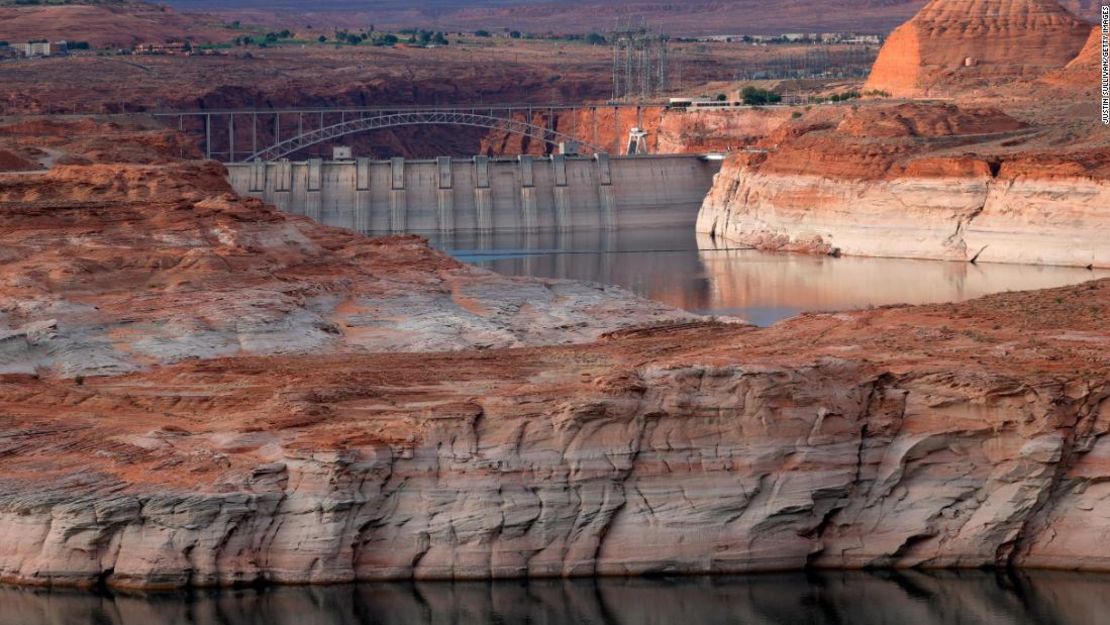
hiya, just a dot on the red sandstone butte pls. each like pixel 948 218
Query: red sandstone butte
pixel 953 44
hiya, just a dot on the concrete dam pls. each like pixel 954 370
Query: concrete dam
pixel 482 193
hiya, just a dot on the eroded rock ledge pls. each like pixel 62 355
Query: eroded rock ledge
pixel 964 435
pixel 198 390
pixel 917 181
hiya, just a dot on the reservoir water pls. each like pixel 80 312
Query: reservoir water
pixel 696 273
pixel 804 598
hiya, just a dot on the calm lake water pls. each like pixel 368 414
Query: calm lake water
pixel 852 598
pixel 699 274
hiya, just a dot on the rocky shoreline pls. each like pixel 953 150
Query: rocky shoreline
pixel 201 391
pixel 945 436
pixel 977 217
pixel 918 180
pixel 197 390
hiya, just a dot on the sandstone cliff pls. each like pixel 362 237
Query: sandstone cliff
pixel 117 266
pixel 1083 71
pixel 961 435
pixel 918 181
pixel 954 44
pixel 259 402
pixel 668 131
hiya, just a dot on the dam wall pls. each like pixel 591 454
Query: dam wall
pixel 483 193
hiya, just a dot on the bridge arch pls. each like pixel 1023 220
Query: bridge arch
pixel 415 118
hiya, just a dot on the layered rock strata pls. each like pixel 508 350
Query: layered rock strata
pixel 906 181
pixel 953 44
pixel 963 435
pixel 109 268
pixel 198 390
pixel 1082 72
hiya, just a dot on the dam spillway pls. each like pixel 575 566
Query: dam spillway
pixel 483 193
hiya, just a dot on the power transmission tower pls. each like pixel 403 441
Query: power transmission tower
pixel 640 68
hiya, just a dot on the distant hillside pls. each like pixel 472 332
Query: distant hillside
pixel 677 17
pixel 29 3
pixel 104 23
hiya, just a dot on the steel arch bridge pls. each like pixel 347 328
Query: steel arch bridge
pixel 415 118
pixel 238 135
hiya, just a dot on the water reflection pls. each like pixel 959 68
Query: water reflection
pixel 857 598
pixel 695 272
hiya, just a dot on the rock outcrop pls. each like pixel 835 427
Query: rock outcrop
pixel 1083 71
pixel 917 181
pixel 198 390
pixel 959 435
pixel 107 268
pixel 668 131
pixel 953 44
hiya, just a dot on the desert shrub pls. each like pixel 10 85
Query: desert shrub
pixel 754 96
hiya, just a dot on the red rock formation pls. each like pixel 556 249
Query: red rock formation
pixel 268 399
pixel 909 120
pixel 940 181
pixel 955 435
pixel 1083 70
pixel 161 262
pixel 10 161
pixel 952 44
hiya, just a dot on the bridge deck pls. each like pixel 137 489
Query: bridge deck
pixel 269 133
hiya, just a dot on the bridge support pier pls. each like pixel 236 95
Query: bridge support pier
pixel 313 189
pixel 398 202
pixel 445 195
pixel 483 195
pixel 362 195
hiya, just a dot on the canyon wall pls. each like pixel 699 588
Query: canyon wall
pixel 144 260
pixel 197 389
pixel 977 216
pixel 916 180
pixel 669 131
pixel 831 441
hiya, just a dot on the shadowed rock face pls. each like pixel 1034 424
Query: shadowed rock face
pixel 951 44
pixel 938 598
